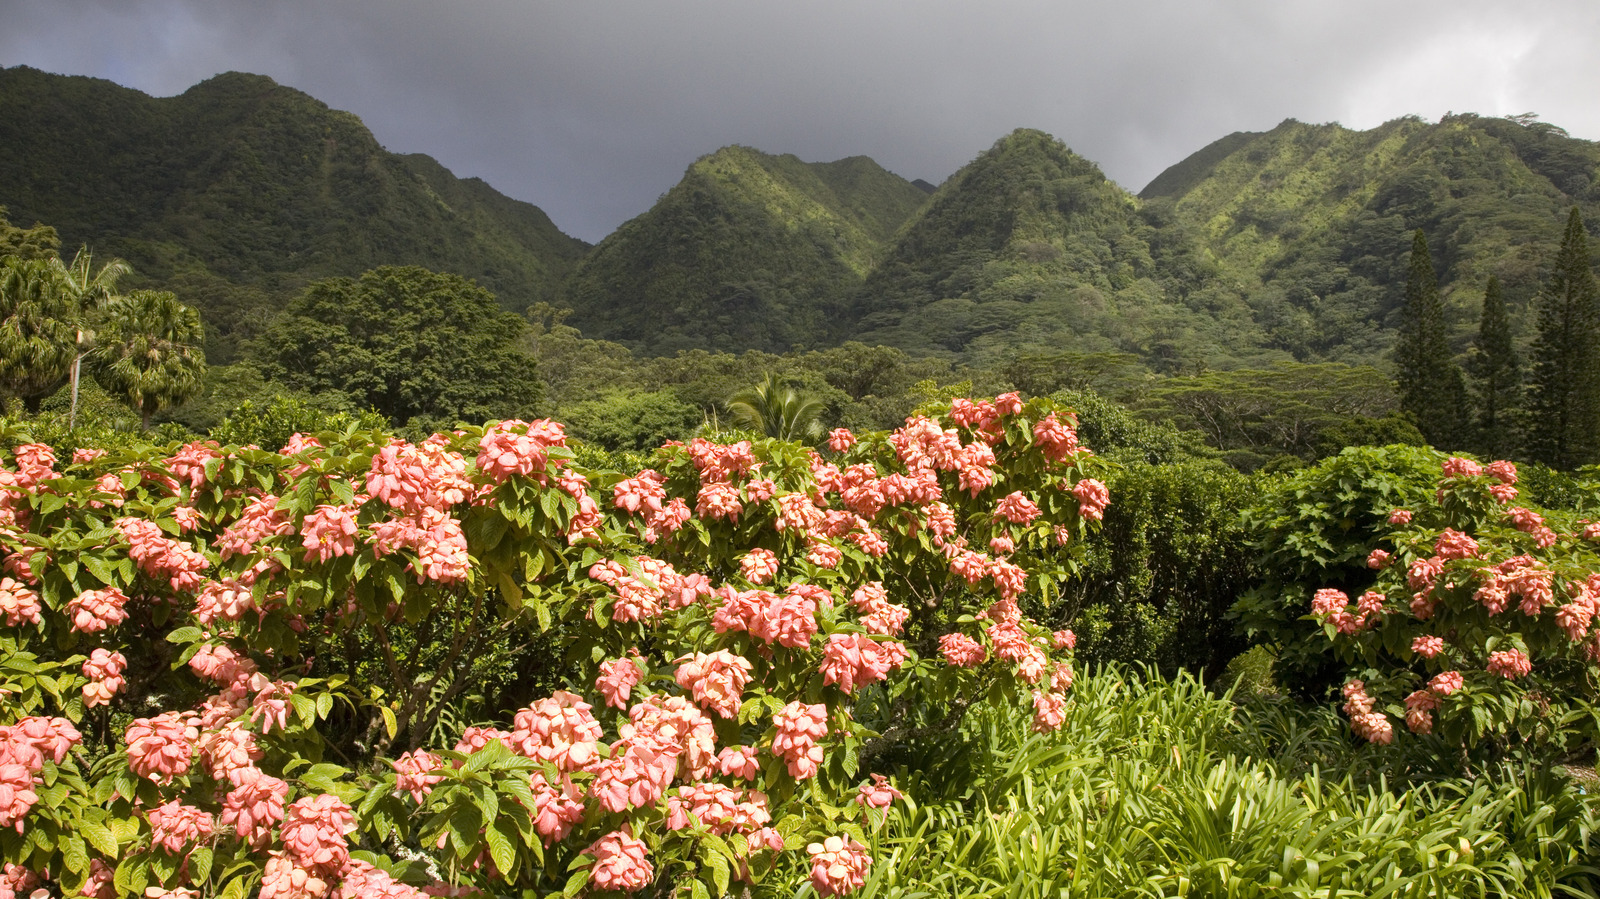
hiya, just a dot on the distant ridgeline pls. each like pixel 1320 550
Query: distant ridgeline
pixel 1262 247
pixel 238 192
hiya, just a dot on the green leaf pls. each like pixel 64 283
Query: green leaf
pixel 502 848
pixel 390 725
pixel 200 864
pixel 575 882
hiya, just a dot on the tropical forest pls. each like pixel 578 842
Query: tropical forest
pixel 817 532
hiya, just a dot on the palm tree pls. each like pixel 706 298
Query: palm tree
pixel 149 353
pixel 777 410
pixel 87 291
pixel 36 334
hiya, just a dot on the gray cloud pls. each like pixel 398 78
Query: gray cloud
pixel 592 109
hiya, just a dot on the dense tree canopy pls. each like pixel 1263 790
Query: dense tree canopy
pixel 408 342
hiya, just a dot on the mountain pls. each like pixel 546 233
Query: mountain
pixel 239 191
pixel 1313 221
pixel 747 251
pixel 1030 248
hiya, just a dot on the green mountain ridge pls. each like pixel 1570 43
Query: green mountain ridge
pixel 1030 248
pixel 240 191
pixel 748 251
pixel 1283 245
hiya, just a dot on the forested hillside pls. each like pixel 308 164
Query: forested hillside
pixel 240 191
pixel 1031 249
pixel 748 251
pixel 1313 220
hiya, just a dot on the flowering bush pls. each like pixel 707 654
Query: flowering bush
pixel 227 670
pixel 1480 628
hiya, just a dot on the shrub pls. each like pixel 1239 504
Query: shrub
pixel 229 670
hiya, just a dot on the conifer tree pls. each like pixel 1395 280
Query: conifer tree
pixel 1564 400
pixel 1432 389
pixel 1497 376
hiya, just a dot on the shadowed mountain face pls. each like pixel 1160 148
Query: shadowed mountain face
pixel 748 251
pixel 239 191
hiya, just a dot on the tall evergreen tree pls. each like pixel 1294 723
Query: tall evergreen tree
pixel 1497 376
pixel 1432 389
pixel 1564 402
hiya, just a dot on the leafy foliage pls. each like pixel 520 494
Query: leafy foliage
pixel 407 342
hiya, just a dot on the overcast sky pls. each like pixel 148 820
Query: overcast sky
pixel 591 109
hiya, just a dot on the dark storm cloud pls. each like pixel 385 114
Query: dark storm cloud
pixel 592 109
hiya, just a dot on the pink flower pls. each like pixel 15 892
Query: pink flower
pixel 415 773
pixel 840 440
pixel 223 600
pixel 759 566
pixel 961 650
pixel 1093 497
pixel 1510 663
pixel 1017 509
pixel 1446 683
pixel 271 706
pixel 314 831
pixel 738 761
pixel 161 748
pixel 1419 708
pixel 878 794
pixel 101 883
pixel 1049 711
pixel 621 862
pixel 1058 441
pixel 1453 544
pixel 518 448
pixel 1457 467
pixel 616 681
pixel 799 727
pixel 791 619
pixel 17 795
pixel 719 501
pixel 282 878
pixel 838 865
pixel 1377 559
pixel 475 738
pixel 852 660
pixel 1427 647
pixel 18 603
pixel 104 671
pixel 175 825
pixel 716 680
pixel 555 808
pixel 95 610
pixel 1503 471
pixel 878 615
pixel 559 730
pixel 328 532
pixel 253 808
pixel 1400 517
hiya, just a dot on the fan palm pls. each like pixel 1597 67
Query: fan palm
pixel 777 410
pixel 149 353
pixel 87 292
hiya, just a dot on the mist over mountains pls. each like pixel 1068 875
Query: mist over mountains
pixel 1279 245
